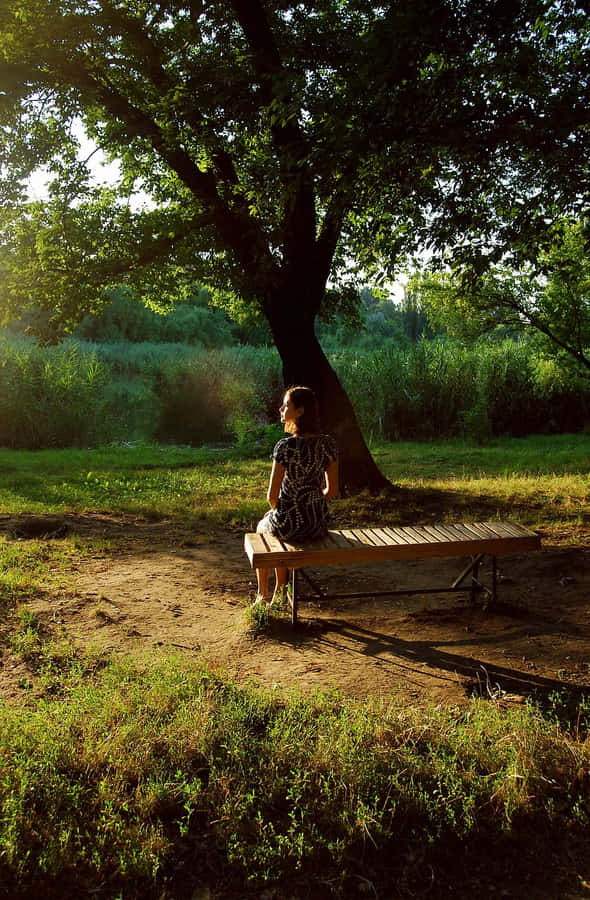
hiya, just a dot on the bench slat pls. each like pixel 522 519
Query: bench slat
pixel 254 546
pixel 506 529
pixel 484 528
pixel 450 533
pixel 472 528
pixel 337 538
pixel 350 537
pixel 428 534
pixel 461 533
pixel 399 536
pixel 458 533
pixel 274 544
pixel 379 537
pixel 487 529
pixel 414 535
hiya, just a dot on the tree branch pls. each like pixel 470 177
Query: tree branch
pixel 238 229
pixel 288 138
pixel 150 59
pixel 155 252
pixel 539 325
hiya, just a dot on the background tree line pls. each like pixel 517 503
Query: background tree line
pixel 442 362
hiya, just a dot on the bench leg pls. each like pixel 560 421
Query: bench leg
pixel 294 596
pixel 494 578
pixel 475 586
pixel 474 581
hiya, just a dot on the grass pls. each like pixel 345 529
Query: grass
pixel 142 772
pixel 25 566
pixel 146 480
pixel 159 778
pixel 220 487
pixel 559 454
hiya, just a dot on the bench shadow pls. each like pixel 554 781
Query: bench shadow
pixel 477 676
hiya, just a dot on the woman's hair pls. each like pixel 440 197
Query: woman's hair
pixel 309 421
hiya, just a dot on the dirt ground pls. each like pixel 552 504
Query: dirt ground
pixel 160 586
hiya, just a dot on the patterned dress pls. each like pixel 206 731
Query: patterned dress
pixel 302 511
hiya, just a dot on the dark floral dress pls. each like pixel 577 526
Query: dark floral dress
pixel 302 511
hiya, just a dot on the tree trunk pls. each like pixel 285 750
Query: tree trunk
pixel 304 363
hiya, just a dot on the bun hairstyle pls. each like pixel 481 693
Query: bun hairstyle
pixel 309 421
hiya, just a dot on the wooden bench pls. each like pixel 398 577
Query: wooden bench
pixel 373 545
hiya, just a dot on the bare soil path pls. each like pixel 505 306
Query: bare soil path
pixel 160 586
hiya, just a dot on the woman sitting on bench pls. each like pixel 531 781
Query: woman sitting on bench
pixel 304 477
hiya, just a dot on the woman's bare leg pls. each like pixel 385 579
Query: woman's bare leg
pixel 262 576
pixel 281 576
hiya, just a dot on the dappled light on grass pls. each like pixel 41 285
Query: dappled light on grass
pixel 128 772
pixel 25 566
pixel 538 480
pixel 144 481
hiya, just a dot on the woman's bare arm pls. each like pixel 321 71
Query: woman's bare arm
pixel 274 486
pixel 331 488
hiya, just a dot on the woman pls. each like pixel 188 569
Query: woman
pixel 304 476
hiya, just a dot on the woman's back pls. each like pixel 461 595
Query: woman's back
pixel 301 512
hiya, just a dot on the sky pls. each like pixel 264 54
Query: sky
pixel 103 172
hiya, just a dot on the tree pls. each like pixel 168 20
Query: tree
pixel 548 298
pixel 285 143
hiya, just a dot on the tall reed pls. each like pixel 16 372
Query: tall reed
pixel 85 394
pixel 51 396
pixel 437 389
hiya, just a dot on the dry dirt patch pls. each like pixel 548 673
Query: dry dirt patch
pixel 162 587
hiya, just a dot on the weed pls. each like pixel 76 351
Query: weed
pixel 259 616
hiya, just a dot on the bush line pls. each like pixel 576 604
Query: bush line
pixel 81 394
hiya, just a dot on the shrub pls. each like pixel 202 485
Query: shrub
pixel 413 392
pixel 84 393
pixel 132 409
pixel 435 389
pixel 126 319
pixel 202 399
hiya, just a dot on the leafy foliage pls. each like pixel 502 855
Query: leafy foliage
pixel 377 321
pixel 53 397
pixel 550 298
pixel 275 137
pixel 126 318
pixel 441 388
pixel 283 146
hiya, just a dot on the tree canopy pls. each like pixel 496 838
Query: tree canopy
pixel 287 144
pixel 549 298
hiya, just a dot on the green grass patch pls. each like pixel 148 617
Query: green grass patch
pixel 164 779
pixel 147 480
pixel 139 775
pixel 25 566
pixel 561 454
pixel 543 478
